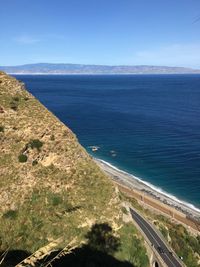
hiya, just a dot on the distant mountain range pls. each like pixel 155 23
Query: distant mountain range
pixel 62 68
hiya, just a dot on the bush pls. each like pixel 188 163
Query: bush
pixel 164 232
pixel 52 138
pixel 36 143
pixel 22 158
pixel 56 200
pixel 124 210
pixel 11 214
pixel 16 98
pixel 13 105
pixel 184 245
pixel 1 129
pixel 35 162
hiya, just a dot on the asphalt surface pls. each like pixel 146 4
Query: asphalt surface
pixel 155 240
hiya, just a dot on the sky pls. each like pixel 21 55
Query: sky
pixel 106 32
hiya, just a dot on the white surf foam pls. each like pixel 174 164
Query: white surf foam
pixel 157 189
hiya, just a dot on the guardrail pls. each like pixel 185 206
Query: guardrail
pixel 149 244
pixel 161 237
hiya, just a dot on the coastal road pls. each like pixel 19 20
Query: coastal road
pixel 155 240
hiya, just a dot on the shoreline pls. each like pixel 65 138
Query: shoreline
pixel 147 190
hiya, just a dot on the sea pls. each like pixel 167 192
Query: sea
pixel 145 125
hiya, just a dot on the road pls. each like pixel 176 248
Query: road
pixel 155 240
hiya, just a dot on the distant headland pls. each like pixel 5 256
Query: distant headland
pixel 62 68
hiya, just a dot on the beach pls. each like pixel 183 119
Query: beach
pixel 149 194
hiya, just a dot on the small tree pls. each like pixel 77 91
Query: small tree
pixel 36 143
pixel 22 158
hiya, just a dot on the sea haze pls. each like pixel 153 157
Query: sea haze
pixel 147 125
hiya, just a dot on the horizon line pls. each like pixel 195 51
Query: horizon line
pixel 107 65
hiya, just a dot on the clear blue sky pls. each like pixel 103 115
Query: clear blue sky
pixel 132 32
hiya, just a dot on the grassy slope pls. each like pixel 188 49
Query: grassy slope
pixel 58 191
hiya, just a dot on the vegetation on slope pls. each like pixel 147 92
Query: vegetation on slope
pixel 50 187
pixel 185 244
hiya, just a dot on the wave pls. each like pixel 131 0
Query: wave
pixel 155 188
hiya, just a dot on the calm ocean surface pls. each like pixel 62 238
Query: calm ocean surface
pixel 147 125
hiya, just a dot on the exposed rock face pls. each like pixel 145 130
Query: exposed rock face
pixel 49 186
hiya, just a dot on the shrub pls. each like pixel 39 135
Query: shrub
pixel 36 143
pixel 65 133
pixel 16 98
pixel 22 158
pixel 56 200
pixel 1 129
pixel 1 110
pixel 164 232
pixel 35 162
pixel 13 105
pixel 10 214
pixel 124 210
pixel 52 137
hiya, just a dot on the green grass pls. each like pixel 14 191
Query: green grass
pixel 10 214
pixel 132 248
pixel 55 199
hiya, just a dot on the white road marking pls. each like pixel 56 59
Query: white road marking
pixel 153 238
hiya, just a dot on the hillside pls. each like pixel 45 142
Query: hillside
pixel 57 171
pixel 51 191
pixel 50 68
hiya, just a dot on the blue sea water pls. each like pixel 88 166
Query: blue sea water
pixel 146 125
